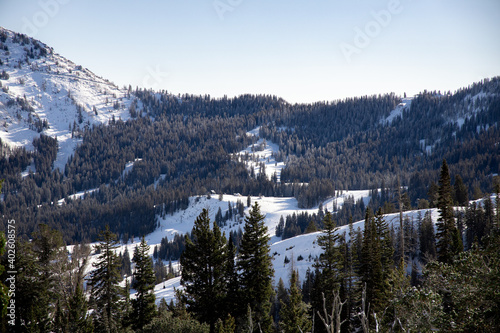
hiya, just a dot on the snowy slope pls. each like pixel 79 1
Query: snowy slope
pixel 304 246
pixel 44 87
pixel 398 111
pixel 261 153
pixel 292 248
pixel 473 105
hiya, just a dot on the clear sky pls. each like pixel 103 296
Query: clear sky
pixel 300 50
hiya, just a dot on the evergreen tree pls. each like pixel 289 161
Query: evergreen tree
pixel 311 227
pixel 330 260
pixel 256 269
pixel 78 321
pixel 470 290
pixel 125 264
pixel 427 238
pixel 330 266
pixel 448 238
pixel 351 264
pixel 27 291
pixel 280 227
pixel 36 263
pixel 366 255
pixel 280 297
pixel 489 214
pixel 127 306
pixel 293 314
pixel 382 271
pixel 376 260
pixel 166 321
pixel 143 306
pixel 73 304
pixel 204 271
pixel 433 194
pixel 307 286
pixel 461 192
pixel 231 276
pixel 105 293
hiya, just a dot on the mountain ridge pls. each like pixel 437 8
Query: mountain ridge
pixel 47 93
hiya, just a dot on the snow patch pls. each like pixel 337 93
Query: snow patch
pixel 261 156
pixel 129 166
pixel 398 111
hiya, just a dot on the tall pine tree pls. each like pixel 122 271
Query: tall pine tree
pixel 449 241
pixel 427 238
pixel 106 293
pixel 143 306
pixel 376 260
pixel 330 267
pixel 203 271
pixel 293 314
pixel 256 270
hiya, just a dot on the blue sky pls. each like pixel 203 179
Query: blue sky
pixel 303 51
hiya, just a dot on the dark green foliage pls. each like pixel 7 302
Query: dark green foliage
pixel 460 192
pixel 470 288
pixel 330 275
pixel 293 314
pixel 256 269
pixel 172 250
pixel 105 293
pixel 280 227
pixel 281 296
pixel 331 259
pixel 143 306
pixel 433 195
pixel 125 264
pixel 37 264
pixel 231 278
pixel 427 238
pixel 167 322
pixel 226 326
pixel 46 153
pixel 449 241
pixel 78 320
pixel 204 271
pixel 376 261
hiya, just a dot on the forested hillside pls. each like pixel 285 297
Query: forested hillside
pixel 183 146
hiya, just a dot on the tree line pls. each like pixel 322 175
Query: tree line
pixel 362 279
pixel 183 146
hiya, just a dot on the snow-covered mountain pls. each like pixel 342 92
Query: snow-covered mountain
pixel 43 92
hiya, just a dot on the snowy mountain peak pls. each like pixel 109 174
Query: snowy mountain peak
pixel 43 92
